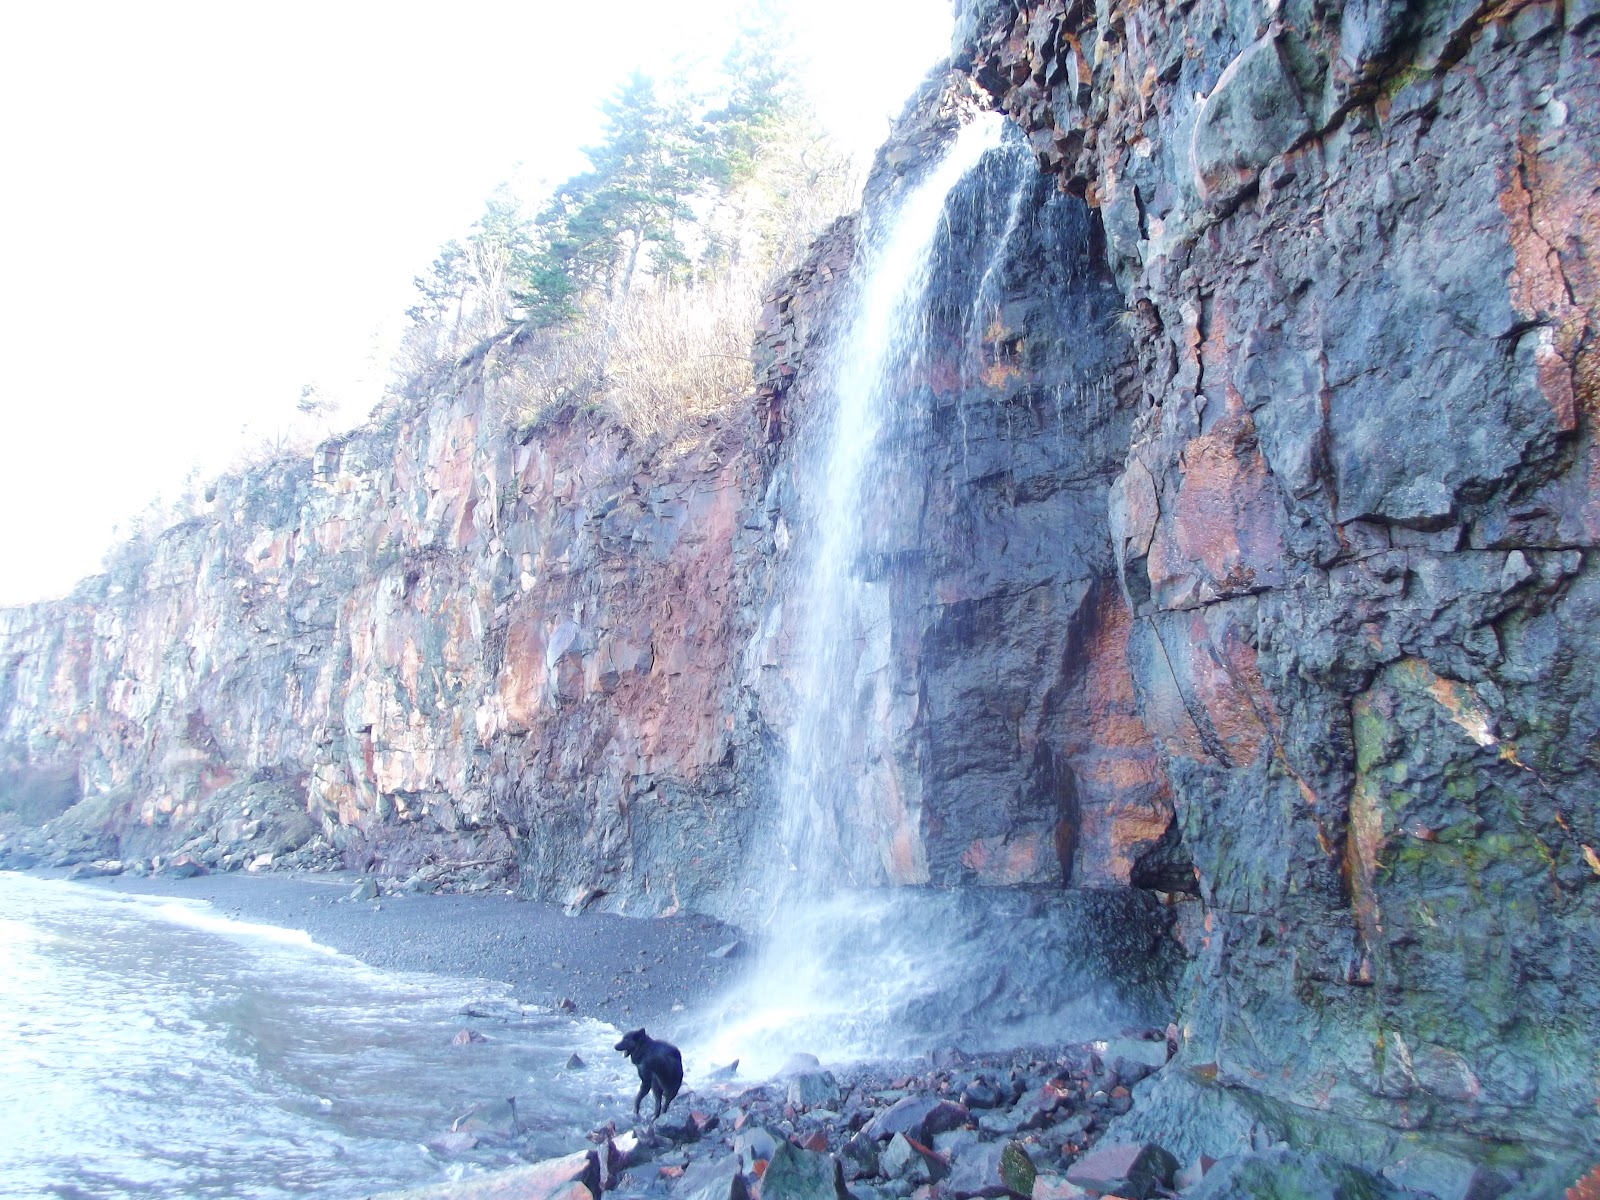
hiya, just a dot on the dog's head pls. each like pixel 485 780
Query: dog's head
pixel 635 1044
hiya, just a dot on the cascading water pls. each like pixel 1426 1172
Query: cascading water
pixel 853 969
pixel 873 363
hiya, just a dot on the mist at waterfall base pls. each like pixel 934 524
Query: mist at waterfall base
pixel 849 969
pixel 156 1049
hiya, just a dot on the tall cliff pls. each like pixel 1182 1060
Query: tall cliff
pixel 1241 557
pixel 567 657
pixel 1355 525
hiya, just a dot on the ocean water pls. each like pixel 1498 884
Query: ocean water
pixel 152 1048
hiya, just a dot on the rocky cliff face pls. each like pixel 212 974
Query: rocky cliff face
pixel 1355 525
pixel 447 645
pixel 569 658
pixel 1242 556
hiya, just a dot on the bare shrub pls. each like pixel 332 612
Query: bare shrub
pixel 681 354
pixel 658 362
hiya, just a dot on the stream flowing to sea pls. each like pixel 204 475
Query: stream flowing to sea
pixel 152 1048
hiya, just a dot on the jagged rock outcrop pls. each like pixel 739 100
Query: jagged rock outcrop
pixel 1356 527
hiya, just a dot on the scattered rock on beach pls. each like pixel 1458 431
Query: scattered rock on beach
pixel 909 1160
pixel 1054 1187
pixel 184 866
pixel 811 1088
pixel 1130 1170
pixel 754 1144
pixel 795 1174
pixel 918 1117
pixel 712 1179
pixel 991 1169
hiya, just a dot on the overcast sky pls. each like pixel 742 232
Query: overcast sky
pixel 206 206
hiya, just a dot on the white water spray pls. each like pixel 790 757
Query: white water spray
pixel 841 967
pixel 850 969
pixel 872 362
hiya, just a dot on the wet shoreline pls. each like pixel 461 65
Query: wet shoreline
pixel 623 970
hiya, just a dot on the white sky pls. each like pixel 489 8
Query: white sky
pixel 204 206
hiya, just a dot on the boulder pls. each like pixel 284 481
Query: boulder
pixel 859 1157
pixel 1253 114
pixel 918 1117
pixel 796 1174
pixel 909 1160
pixel 95 870
pixel 991 1169
pixel 1055 1187
pixel 798 1062
pixel 453 1143
pixel 1306 1175
pixel 1191 1175
pixel 808 1089
pixel 678 1127
pixel 1003 1122
pixel 754 1144
pixel 712 1179
pixel 184 866
pixel 1130 1170
pixel 981 1094
pixel 1134 1058
pixel 953 1142
pixel 492 1010
pixel 1038 1108
pixel 616 1155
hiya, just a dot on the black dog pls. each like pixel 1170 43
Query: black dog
pixel 660 1068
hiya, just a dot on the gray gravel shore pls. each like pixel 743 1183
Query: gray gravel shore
pixel 628 971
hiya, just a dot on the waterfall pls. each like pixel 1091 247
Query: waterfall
pixel 872 364
pixel 861 956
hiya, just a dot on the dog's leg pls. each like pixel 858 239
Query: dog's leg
pixel 644 1090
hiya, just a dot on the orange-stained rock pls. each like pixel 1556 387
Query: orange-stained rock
pixel 1221 534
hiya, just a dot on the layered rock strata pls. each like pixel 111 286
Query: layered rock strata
pixel 1355 526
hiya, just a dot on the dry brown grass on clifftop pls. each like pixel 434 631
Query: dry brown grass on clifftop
pixel 657 363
